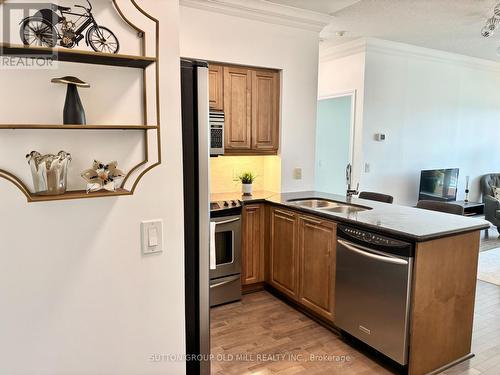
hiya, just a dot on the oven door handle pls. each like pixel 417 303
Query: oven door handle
pixel 227 221
pixel 366 252
pixel 227 281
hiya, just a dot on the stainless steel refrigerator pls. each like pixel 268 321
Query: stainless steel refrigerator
pixel 196 154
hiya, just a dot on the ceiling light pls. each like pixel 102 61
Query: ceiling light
pixel 492 23
pixel 496 11
pixel 486 32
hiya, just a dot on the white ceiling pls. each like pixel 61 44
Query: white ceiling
pixel 448 25
pixel 321 6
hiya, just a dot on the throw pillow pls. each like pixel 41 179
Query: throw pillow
pixel 496 192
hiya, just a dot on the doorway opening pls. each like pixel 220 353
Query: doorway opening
pixel 334 141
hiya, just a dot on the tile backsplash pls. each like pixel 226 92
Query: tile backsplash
pixel 224 172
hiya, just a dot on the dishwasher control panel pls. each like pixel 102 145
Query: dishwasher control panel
pixel 381 242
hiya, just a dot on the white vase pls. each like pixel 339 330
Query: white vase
pixel 246 189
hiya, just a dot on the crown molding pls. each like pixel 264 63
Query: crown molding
pixel 407 50
pixel 387 47
pixel 265 11
pixel 333 52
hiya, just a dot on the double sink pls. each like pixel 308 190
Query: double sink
pixel 328 205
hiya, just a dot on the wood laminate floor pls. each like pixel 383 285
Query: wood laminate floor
pixel 271 337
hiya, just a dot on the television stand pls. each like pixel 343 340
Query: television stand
pixel 471 208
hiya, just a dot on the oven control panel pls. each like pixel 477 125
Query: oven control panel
pixel 225 208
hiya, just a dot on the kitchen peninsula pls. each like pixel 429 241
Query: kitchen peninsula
pixel 298 249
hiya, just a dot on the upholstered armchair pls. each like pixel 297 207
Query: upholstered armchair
pixel 491 205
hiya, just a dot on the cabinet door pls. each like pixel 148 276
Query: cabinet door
pixel 283 272
pixel 237 107
pixel 265 110
pixel 216 87
pixel 252 267
pixel 317 244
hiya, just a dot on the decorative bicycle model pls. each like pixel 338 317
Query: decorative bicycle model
pixel 47 27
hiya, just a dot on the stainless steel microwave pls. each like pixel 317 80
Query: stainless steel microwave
pixel 216 133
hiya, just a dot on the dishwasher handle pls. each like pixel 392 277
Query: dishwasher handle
pixel 366 252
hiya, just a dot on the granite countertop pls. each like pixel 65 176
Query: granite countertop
pixel 401 221
pixel 404 222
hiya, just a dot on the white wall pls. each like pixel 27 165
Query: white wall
pixel 438 111
pixel 76 296
pixel 342 74
pixel 219 37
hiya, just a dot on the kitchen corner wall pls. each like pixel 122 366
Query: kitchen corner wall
pixel 225 38
pixel 339 73
pixel 76 296
pixel 224 171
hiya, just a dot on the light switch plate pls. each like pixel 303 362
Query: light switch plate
pixel 152 236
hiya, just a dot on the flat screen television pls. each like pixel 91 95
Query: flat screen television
pixel 439 184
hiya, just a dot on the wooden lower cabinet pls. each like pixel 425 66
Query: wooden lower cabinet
pixel 253 244
pixel 317 243
pixel 302 259
pixel 283 252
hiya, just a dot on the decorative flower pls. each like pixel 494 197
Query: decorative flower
pixel 102 176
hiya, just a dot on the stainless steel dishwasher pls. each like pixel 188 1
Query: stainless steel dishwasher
pixel 373 288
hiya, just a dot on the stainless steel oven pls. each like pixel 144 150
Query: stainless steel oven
pixel 225 272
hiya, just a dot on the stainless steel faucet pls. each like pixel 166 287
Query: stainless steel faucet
pixel 348 176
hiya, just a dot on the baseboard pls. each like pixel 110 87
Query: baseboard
pixel 454 363
pixel 252 288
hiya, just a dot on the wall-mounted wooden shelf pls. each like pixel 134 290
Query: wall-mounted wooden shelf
pixel 77 127
pixel 90 57
pixel 77 194
pixel 78 56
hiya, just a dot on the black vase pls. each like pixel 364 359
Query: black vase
pixel 74 113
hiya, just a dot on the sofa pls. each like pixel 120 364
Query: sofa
pixel 491 204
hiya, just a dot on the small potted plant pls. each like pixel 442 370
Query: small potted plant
pixel 247 178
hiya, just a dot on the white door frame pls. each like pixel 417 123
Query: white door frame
pixel 352 94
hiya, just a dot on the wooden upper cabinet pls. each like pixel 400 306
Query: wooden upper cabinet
pixel 317 245
pixel 250 99
pixel 284 262
pixel 237 108
pixel 216 87
pixel 265 110
pixel 252 270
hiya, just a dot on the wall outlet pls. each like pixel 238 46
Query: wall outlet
pixel 367 167
pixel 380 137
pixel 297 173
pixel 236 174
pixel 152 236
